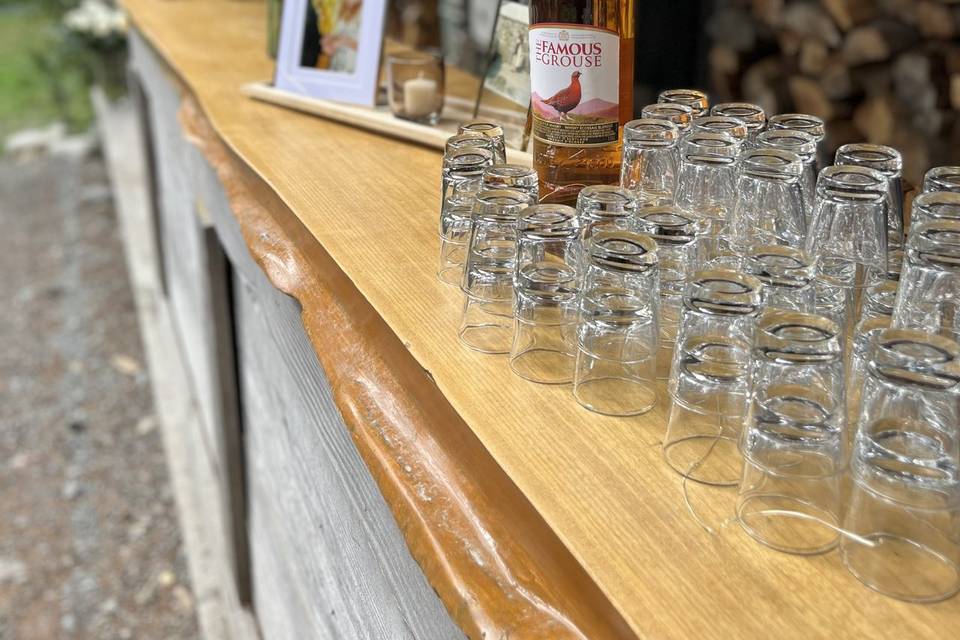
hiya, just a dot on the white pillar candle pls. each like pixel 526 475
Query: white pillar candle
pixel 419 97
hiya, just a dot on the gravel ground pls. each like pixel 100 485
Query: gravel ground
pixel 89 541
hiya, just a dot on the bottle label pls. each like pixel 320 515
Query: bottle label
pixel 575 84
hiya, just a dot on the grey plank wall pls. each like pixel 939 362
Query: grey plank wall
pixel 327 558
pixel 197 278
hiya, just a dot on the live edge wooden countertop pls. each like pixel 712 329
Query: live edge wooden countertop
pixel 531 517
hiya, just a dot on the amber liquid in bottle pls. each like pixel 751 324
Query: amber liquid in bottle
pixel 581 92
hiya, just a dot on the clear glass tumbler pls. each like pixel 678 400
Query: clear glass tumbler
pixel 787 276
pixel 677 234
pixel 794 446
pixel 942 179
pixel 468 139
pixel 806 123
pixel 604 208
pixel 803 145
pixel 709 380
pixel 513 176
pixel 649 166
pixel 722 124
pixel 486 324
pixel 905 501
pixel 546 285
pixel 888 162
pixel 935 205
pixel 769 202
pixel 491 130
pixel 460 182
pixel 847 238
pixel 708 177
pixel 928 297
pixel 618 328
pixel 695 99
pixel 679 114
pixel 751 114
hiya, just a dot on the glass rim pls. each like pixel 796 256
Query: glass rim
pixel 884 159
pixel 768 162
pixel 723 292
pixel 753 115
pixel 499 205
pixel 669 224
pixel 812 338
pixel 915 358
pixel 620 250
pixel 931 204
pixel 688 97
pixel 736 127
pixel 799 122
pixel 606 198
pixel 487 128
pixel 850 181
pixel 556 220
pixel 800 142
pixel 945 176
pixel 651 130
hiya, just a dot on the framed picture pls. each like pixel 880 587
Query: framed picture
pixel 330 49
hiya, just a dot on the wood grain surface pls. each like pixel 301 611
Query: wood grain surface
pixel 599 484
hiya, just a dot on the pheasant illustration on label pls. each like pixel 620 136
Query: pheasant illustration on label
pixel 574 79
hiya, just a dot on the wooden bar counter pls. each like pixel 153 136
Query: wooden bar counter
pixel 382 480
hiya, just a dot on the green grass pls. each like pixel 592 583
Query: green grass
pixel 34 94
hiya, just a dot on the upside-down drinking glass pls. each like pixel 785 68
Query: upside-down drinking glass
pixel 468 139
pixel 677 234
pixel 905 501
pixel 547 281
pixel 708 177
pixel 769 204
pixel 604 207
pixel 847 238
pixel 794 446
pixel 709 381
pixel 751 114
pixel 649 167
pixel 787 276
pixel 928 297
pixel 942 179
pixel 806 123
pixel 693 98
pixel 486 324
pixel 491 130
pixel 736 128
pixel 679 114
pixel 513 176
pixel 888 162
pixel 805 146
pixel 935 205
pixel 461 180
pixel 617 330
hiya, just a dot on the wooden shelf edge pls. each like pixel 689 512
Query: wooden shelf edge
pixel 376 120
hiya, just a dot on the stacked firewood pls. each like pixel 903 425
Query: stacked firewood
pixel 881 71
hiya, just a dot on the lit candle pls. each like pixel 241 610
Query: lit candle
pixel 419 97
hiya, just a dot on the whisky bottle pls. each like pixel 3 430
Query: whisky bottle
pixel 581 81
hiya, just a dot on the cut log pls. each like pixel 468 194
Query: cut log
pixel 811 22
pixel 813 57
pixel 863 45
pixel 875 120
pixel 934 20
pixel 808 97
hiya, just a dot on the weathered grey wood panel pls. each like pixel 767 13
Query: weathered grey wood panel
pixel 328 559
pixel 198 284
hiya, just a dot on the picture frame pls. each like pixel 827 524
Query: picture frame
pixel 330 49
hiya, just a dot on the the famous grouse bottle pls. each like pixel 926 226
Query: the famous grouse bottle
pixel 581 82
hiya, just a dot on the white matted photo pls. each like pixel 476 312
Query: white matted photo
pixel 330 49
